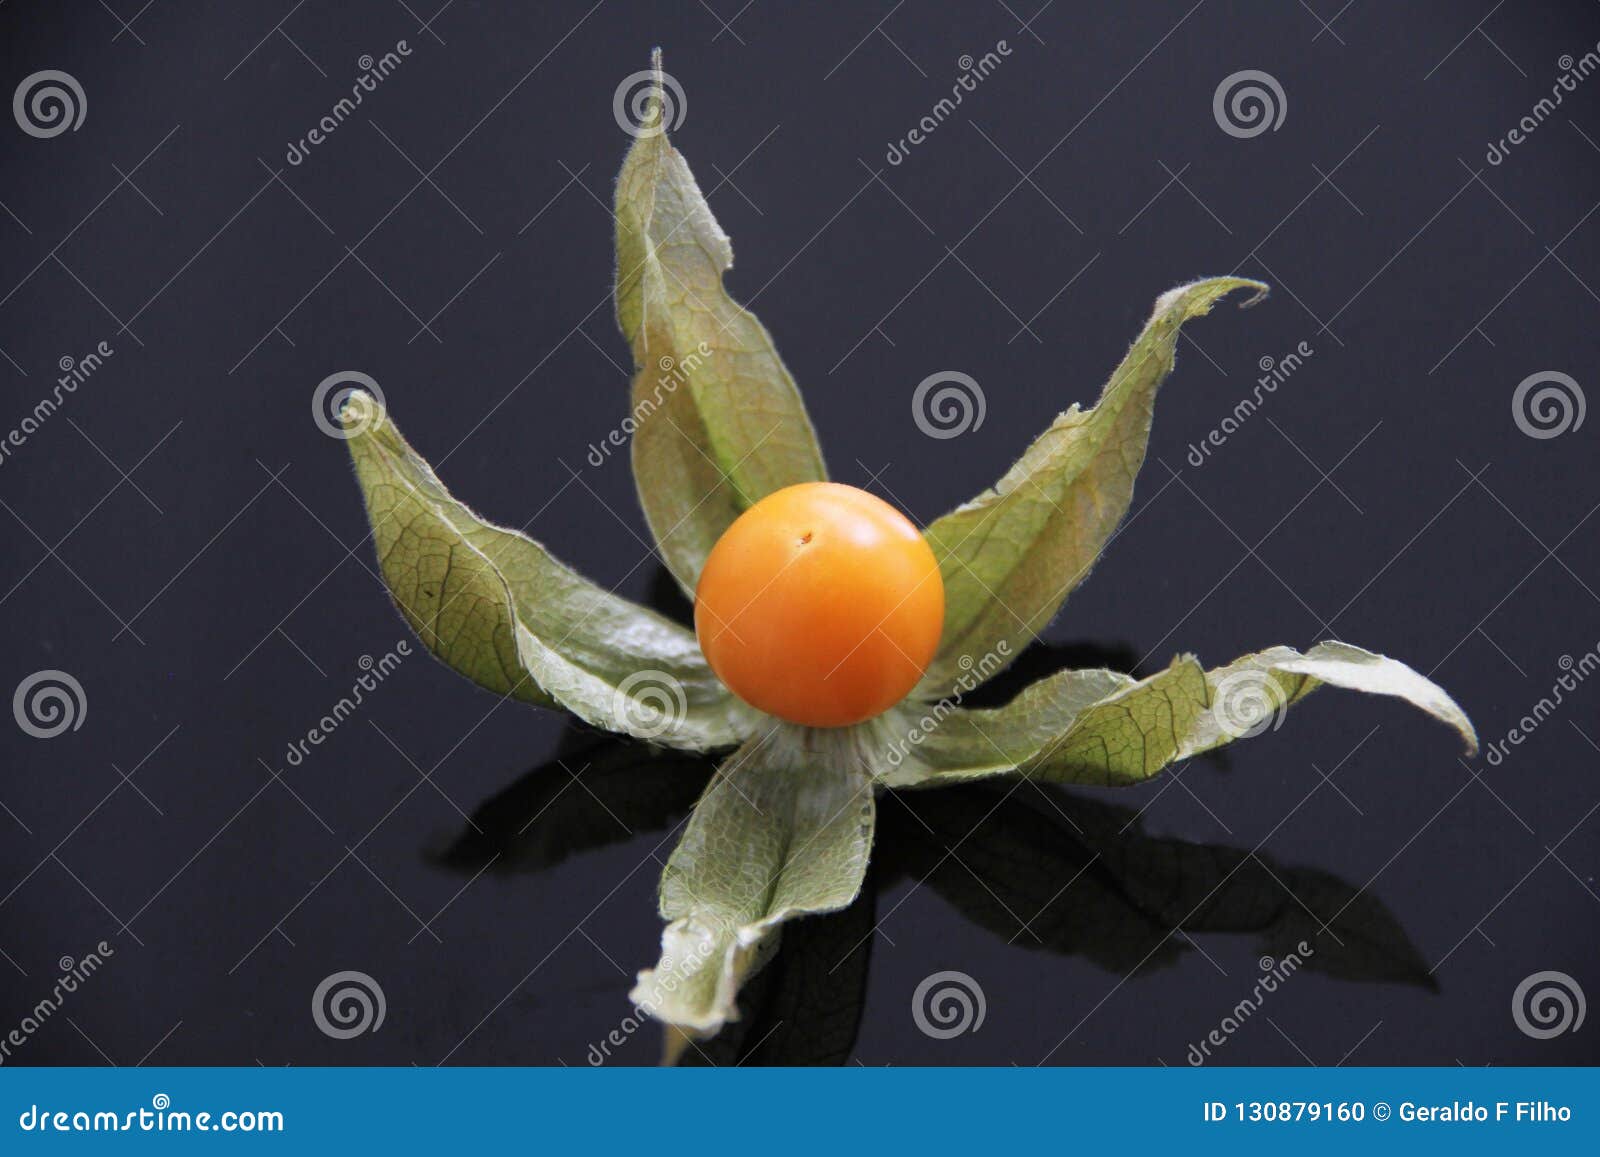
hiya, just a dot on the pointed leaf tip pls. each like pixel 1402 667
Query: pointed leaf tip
pixel 494 605
pixel 359 411
pixel 653 120
pixel 1197 297
pixel 784 830
pixel 1012 555
pixel 360 416
pixel 1099 727
pixel 718 421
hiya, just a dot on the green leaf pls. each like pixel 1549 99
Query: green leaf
pixel 783 830
pixel 1010 556
pixel 805 1006
pixel 1242 686
pixel 718 422
pixel 1100 727
pixel 494 605
pixel 944 743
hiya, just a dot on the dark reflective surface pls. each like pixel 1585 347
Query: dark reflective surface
pixel 1038 866
pixel 1383 493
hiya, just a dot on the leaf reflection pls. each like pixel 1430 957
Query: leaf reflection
pixel 1127 896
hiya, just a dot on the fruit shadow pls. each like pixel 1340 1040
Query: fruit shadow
pixel 1130 894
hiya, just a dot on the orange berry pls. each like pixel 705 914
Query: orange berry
pixel 821 604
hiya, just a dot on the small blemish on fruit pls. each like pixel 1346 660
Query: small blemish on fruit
pixel 805 538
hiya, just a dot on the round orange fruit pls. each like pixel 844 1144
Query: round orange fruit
pixel 821 604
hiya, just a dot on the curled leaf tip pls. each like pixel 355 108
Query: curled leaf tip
pixel 1200 296
pixel 1263 291
pixel 359 411
pixel 1010 557
pixel 654 120
pixel 1104 728
pixel 1343 665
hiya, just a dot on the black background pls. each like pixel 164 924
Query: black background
pixel 185 542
